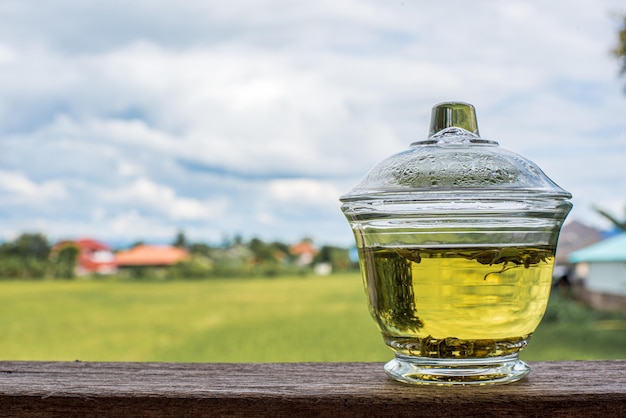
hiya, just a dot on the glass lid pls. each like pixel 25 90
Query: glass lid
pixel 454 159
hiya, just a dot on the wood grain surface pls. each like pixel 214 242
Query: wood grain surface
pixel 77 389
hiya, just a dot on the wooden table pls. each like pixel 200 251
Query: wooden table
pixel 77 389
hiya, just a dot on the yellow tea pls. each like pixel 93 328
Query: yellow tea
pixel 457 302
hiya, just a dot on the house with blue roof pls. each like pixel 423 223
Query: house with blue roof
pixel 603 268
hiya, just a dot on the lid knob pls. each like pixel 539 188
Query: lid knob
pixel 453 114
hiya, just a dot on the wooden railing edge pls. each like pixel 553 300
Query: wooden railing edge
pixel 73 389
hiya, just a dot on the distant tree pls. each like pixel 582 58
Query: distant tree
pixel 281 246
pixel 237 240
pixel 620 50
pixel 65 259
pixel 200 248
pixel 196 267
pixel 180 240
pixel 338 257
pixel 28 245
pixel 25 257
pixel 263 252
pixel 325 255
pixel 621 225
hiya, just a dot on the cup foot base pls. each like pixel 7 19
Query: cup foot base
pixel 484 371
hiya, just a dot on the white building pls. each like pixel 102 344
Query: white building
pixel 602 266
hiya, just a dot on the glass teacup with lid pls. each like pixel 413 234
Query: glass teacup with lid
pixel 456 240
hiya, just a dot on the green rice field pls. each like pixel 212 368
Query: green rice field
pixel 241 320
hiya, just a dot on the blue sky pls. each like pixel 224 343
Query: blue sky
pixel 133 120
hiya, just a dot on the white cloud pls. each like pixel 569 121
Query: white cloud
pixel 127 169
pixel 153 197
pixel 19 189
pixel 7 54
pixel 244 116
pixel 304 192
pixel 131 224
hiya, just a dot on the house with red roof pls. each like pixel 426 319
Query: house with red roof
pixel 304 251
pixel 151 256
pixel 94 257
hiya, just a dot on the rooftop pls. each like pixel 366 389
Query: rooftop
pixel 151 255
pixel 611 249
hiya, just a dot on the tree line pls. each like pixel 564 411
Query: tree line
pixel 33 256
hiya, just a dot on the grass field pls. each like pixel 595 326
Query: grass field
pixel 240 320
